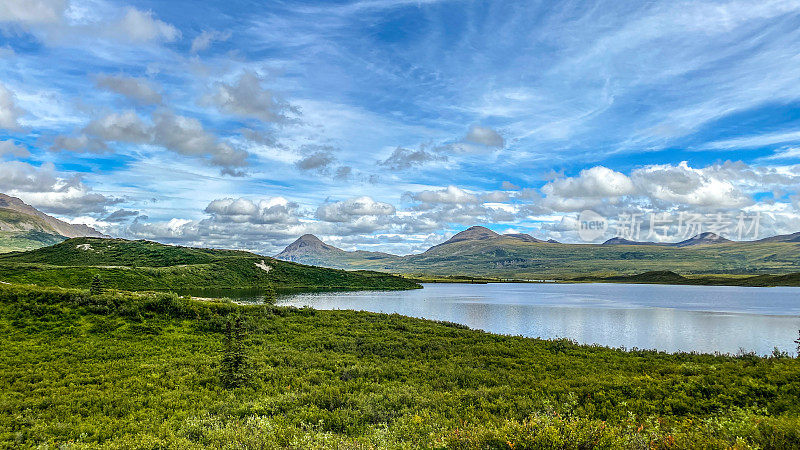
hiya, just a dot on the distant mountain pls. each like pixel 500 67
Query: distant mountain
pixel 479 251
pixel 794 237
pixel 23 227
pixel 623 241
pixel 478 233
pixel 706 238
pixel 309 249
pixel 304 246
pixel 472 234
pixel 703 239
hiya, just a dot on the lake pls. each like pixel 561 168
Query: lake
pixel 671 318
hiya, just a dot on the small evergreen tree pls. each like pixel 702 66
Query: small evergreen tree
pixel 96 287
pixel 234 366
pixel 798 343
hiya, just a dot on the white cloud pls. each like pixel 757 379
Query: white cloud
pixel 9 111
pixel 120 215
pixel 667 186
pixel 269 211
pixel 319 161
pixel 484 136
pixel 785 153
pixel 204 39
pixel 450 195
pixel 403 158
pixel 121 127
pixel 9 148
pixel 352 209
pixel 136 89
pixel 32 11
pixel 761 140
pixel 688 186
pixel 141 26
pixel 509 186
pixel 596 182
pixel 80 143
pixel 50 191
pixel 186 136
pixel 247 97
pixel 182 135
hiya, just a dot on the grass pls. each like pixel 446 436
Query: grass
pixel 141 370
pixel 144 265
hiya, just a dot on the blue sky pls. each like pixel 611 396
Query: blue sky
pixel 390 125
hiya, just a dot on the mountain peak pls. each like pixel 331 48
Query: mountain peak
pixel 309 238
pixel 476 233
pixel 703 238
pixel 306 245
pixel 7 201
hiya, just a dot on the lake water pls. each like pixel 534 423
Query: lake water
pixel 672 318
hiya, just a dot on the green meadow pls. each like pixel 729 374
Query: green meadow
pixel 144 370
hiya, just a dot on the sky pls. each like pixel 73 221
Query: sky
pixel 390 125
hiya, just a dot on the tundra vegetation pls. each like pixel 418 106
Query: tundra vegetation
pixel 155 370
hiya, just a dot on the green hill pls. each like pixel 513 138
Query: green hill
pixel 478 252
pixel 144 265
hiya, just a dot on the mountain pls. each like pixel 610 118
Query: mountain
pixel 702 239
pixel 623 241
pixel 23 227
pixel 472 234
pixel 305 246
pixel 478 233
pixel 706 238
pixel 145 265
pixel 794 237
pixel 479 251
pixel 309 249
pixel 527 238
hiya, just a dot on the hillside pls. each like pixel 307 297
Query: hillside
pixel 135 370
pixel 144 265
pixel 479 251
pixel 23 227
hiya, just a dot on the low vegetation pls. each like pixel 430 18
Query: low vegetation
pixel 668 277
pixel 144 265
pixel 148 370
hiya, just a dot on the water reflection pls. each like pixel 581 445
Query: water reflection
pixel 671 318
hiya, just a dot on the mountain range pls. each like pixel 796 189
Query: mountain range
pixel 23 227
pixel 479 251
